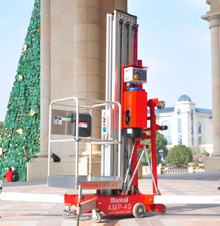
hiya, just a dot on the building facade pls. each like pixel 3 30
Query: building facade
pixel 187 124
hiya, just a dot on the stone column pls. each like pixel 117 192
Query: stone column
pixel 45 75
pixel 72 64
pixel 38 167
pixel 213 17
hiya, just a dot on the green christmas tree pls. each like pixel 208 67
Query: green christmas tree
pixel 20 138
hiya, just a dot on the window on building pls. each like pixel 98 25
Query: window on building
pixel 192 128
pixel 167 133
pixel 179 114
pixel 199 129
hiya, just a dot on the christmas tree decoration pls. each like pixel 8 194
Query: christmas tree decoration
pixel 19 131
pixel 32 112
pixel 24 48
pixel 20 78
pixel 19 140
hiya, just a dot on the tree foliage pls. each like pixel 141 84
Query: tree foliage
pixel 161 143
pixel 179 155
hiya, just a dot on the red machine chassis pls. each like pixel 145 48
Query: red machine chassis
pixel 118 205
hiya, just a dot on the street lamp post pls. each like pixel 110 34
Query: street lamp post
pixel 161 155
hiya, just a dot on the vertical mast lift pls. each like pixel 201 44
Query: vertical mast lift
pixel 124 123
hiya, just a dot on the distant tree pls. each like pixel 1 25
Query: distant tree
pixel 161 143
pixel 179 155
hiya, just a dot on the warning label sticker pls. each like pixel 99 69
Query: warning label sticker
pixel 55 119
pixel 83 124
pixel 59 120
pixel 66 118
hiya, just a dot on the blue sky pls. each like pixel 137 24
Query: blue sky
pixel 174 42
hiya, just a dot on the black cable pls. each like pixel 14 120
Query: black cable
pixel 127 49
pixel 134 43
pixel 120 62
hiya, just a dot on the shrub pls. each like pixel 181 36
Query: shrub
pixel 179 156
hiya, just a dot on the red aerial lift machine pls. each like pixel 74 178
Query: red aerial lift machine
pixel 124 126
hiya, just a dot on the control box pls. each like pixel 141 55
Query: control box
pixel 84 124
pixel 135 110
pixel 135 75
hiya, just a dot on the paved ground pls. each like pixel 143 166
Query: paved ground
pixel 17 213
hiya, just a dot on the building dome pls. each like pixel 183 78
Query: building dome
pixel 184 97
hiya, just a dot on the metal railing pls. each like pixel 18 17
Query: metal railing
pixel 76 139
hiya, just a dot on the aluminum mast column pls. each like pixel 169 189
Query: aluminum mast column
pixel 120 45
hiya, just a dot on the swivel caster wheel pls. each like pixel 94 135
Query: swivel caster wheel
pixel 139 210
pixel 96 216
pixel 67 212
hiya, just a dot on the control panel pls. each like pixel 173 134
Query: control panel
pixel 105 122
pixel 135 75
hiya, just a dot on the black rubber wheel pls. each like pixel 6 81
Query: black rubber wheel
pixel 97 218
pixel 164 211
pixel 139 210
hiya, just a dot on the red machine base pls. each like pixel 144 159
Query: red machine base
pixel 137 204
